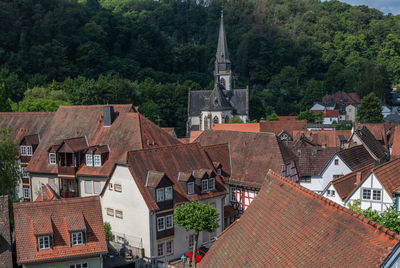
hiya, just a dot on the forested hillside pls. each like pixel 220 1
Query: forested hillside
pixel 149 53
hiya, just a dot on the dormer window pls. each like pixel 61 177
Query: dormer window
pixel 26 150
pixel 219 171
pixel 211 184
pixel 208 185
pixel 44 242
pixel 97 160
pixel 52 159
pixel 204 185
pixel 77 238
pixel 190 188
pixel 164 194
pixel 89 160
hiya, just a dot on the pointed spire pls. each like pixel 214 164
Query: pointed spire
pixel 222 55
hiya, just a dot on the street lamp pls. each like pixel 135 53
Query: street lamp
pixel 183 259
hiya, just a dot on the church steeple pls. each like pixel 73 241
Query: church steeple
pixel 222 55
pixel 222 72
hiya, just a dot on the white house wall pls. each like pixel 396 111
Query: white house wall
pixel 335 197
pixel 38 180
pixel 134 225
pixel 82 189
pixel 314 185
pixel 372 183
pixel 331 169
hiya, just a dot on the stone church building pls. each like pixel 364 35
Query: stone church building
pixel 219 105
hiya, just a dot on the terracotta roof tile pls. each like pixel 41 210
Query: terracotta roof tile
pixel 356 157
pixel 396 143
pixel 5 245
pixel 287 118
pixel 247 127
pixel 329 138
pixel 194 134
pixel 277 127
pixel 342 97
pixel 388 175
pixel 60 213
pixel 371 144
pixel 251 153
pixel 129 131
pixel 47 194
pixel 302 229
pixel 172 160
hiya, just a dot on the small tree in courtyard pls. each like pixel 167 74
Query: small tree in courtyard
pixel 9 168
pixel 370 110
pixel 197 217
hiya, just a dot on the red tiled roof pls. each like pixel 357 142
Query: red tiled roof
pixel 396 143
pixel 47 194
pixel 329 138
pixel 346 185
pixel 303 229
pixel 277 127
pixel 342 97
pixel 24 124
pixel 129 131
pixel 247 127
pixel 356 157
pixel 171 160
pixel 220 153
pixel 194 134
pixel 287 118
pixel 59 214
pixel 388 175
pixel 252 154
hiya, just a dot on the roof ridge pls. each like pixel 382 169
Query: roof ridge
pixel 95 105
pixel 62 200
pixel 385 164
pixel 158 148
pixel 255 133
pixel 337 206
pixel 23 113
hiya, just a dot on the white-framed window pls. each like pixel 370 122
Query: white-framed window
pixel 118 214
pixel 160 250
pixel 190 187
pixel 88 187
pixel 233 194
pixel 24 173
pixel 160 194
pixel 89 160
pixel 169 221
pixel 79 265
pixel 110 212
pixel 191 241
pixel 26 193
pixel 77 238
pixel 23 150
pixel 97 160
pixel 160 224
pixel 169 245
pixel 96 187
pixel 29 150
pixel 52 159
pixel 211 184
pixel 117 187
pixel 168 193
pixel 204 185
pixel 219 171
pixel 44 242
pixel 110 186
pixel 366 194
pixel 376 195
pixel 336 162
pixel 330 193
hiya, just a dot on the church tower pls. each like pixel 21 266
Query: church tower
pixel 222 71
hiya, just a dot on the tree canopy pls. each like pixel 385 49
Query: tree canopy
pixel 370 110
pixel 9 167
pixel 290 53
pixel 310 116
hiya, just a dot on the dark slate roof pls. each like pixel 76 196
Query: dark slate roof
pixel 393 118
pixel 236 98
pixel 356 157
pixel 371 143
pixel 288 225
pixel 5 237
pixel 217 101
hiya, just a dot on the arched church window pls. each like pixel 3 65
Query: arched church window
pixel 223 82
pixel 216 120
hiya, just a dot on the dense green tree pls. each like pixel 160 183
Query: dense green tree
pixel 310 116
pixel 272 117
pixel 107 231
pixel 235 120
pixel 370 110
pixel 197 217
pixel 9 167
pixel 4 103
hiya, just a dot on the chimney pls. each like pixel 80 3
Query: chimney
pixel 358 178
pixel 108 115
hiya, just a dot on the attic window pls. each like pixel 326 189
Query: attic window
pixel 97 160
pixel 89 160
pixel 77 238
pixel 43 242
pixel 52 159
pixel 219 171
pixel 190 188
pixel 26 150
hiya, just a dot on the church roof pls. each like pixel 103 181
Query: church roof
pixel 236 98
pixel 217 101
pixel 222 55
